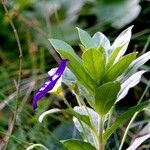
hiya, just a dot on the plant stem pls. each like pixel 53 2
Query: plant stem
pixel 126 131
pixel 109 117
pixel 12 124
pixel 101 144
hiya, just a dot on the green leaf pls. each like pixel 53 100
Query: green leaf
pixel 113 57
pixel 82 47
pixel 83 118
pixel 94 63
pixel 124 118
pixel 129 83
pixel 123 38
pixel 106 96
pixel 86 39
pixel 101 40
pixel 84 129
pixel 73 144
pixel 75 63
pixel 134 66
pixel 85 94
pixel 36 145
pixel 63 46
pixel 122 41
pixel 93 115
pixel 118 68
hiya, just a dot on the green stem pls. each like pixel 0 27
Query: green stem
pixel 109 117
pixel 127 130
pixel 78 100
pixel 101 144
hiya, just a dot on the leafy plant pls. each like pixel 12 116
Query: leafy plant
pixel 102 76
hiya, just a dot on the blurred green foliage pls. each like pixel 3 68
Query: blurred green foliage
pixel 36 21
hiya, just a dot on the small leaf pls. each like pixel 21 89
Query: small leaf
pixel 37 145
pixel 51 111
pixel 63 46
pixel 134 66
pixel 123 38
pixel 124 118
pixel 138 141
pixel 69 111
pixel 73 144
pixel 86 39
pixel 129 83
pixel 113 56
pixel 85 94
pixel 101 40
pixel 75 63
pixel 122 41
pixel 82 47
pixel 84 128
pixel 118 68
pixel 94 63
pixel 83 111
pixel 106 96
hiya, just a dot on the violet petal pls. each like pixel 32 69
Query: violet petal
pixel 49 85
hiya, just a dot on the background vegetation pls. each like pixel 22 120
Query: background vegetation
pixel 20 76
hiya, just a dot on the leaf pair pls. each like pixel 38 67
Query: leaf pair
pixel 130 77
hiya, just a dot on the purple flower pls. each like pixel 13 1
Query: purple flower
pixel 49 85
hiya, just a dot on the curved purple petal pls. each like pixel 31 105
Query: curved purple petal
pixel 49 85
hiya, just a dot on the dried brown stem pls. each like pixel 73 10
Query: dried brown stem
pixel 11 126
